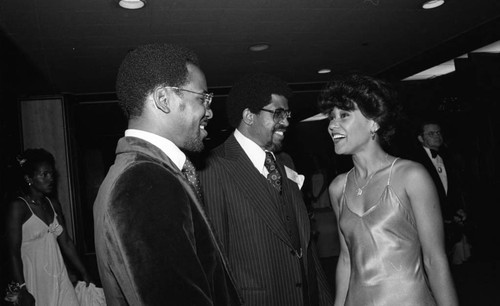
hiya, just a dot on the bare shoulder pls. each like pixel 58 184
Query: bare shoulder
pixel 17 209
pixel 336 186
pixel 410 178
pixel 407 170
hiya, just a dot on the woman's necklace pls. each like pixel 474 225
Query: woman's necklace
pixel 359 190
pixel 32 201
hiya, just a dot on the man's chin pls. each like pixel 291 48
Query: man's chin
pixel 194 145
pixel 275 146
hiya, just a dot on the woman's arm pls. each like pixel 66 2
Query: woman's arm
pixel 343 272
pixel 17 214
pixel 67 246
pixel 424 201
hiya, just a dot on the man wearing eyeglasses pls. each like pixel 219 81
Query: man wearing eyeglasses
pixel 445 170
pixel 154 243
pixel 253 197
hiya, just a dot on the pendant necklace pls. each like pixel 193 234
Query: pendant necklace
pixel 33 201
pixel 359 190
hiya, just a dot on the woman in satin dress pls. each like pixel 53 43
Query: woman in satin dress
pixel 390 225
pixel 37 237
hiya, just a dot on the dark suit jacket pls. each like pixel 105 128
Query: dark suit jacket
pixel 254 238
pixel 154 244
pixel 453 201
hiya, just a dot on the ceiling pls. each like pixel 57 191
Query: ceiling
pixel 76 46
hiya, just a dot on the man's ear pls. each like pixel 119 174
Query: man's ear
pixel 27 179
pixel 161 99
pixel 248 116
pixel 420 138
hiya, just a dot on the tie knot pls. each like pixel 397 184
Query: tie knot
pixel 188 166
pixel 434 153
pixel 270 162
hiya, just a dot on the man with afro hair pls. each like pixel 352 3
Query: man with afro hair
pixel 252 195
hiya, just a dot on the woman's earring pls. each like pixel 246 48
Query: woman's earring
pixel 373 134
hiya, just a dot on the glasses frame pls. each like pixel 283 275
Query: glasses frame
pixel 433 133
pixel 279 114
pixel 207 96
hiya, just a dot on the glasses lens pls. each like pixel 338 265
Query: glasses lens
pixel 281 114
pixel 207 99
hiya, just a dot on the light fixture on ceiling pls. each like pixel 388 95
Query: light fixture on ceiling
pixel 259 47
pixel 430 4
pixel 131 4
pixel 324 71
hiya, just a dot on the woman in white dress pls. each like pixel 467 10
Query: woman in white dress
pixel 36 237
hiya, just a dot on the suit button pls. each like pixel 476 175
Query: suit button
pixel 298 285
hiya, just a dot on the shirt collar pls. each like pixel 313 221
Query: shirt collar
pixel 255 153
pixel 168 147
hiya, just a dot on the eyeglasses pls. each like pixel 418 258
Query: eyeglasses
pixel 279 114
pixel 433 133
pixel 207 96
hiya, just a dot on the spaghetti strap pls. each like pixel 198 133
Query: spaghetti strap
pixel 342 199
pixel 27 204
pixel 345 182
pixel 390 172
pixel 55 214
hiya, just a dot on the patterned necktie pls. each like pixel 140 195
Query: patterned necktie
pixel 190 173
pixel 273 176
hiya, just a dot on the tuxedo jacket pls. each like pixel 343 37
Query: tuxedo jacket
pixel 450 202
pixel 254 237
pixel 154 244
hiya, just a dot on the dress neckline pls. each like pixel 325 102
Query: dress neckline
pixel 48 225
pixel 374 206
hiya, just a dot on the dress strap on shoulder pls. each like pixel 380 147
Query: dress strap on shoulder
pixel 27 204
pixel 390 172
pixel 55 214
pixel 345 182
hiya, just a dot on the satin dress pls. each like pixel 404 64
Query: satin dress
pixel 44 271
pixel 385 253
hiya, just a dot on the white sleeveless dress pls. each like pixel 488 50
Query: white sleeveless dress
pixel 45 274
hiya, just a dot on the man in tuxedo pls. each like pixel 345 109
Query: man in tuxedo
pixel 252 195
pixel 154 243
pixel 444 170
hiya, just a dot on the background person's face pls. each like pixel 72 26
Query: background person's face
pixel 43 178
pixel 431 136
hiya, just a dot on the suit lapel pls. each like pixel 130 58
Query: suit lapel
pixel 248 179
pixel 151 150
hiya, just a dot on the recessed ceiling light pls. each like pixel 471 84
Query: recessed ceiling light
pixel 259 47
pixel 324 71
pixel 131 4
pixel 432 4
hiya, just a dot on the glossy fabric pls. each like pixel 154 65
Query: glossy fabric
pixel 43 265
pixel 385 254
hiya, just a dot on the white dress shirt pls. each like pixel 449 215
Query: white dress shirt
pixel 168 147
pixel 440 168
pixel 253 151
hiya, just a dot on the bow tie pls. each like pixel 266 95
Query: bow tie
pixel 434 153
